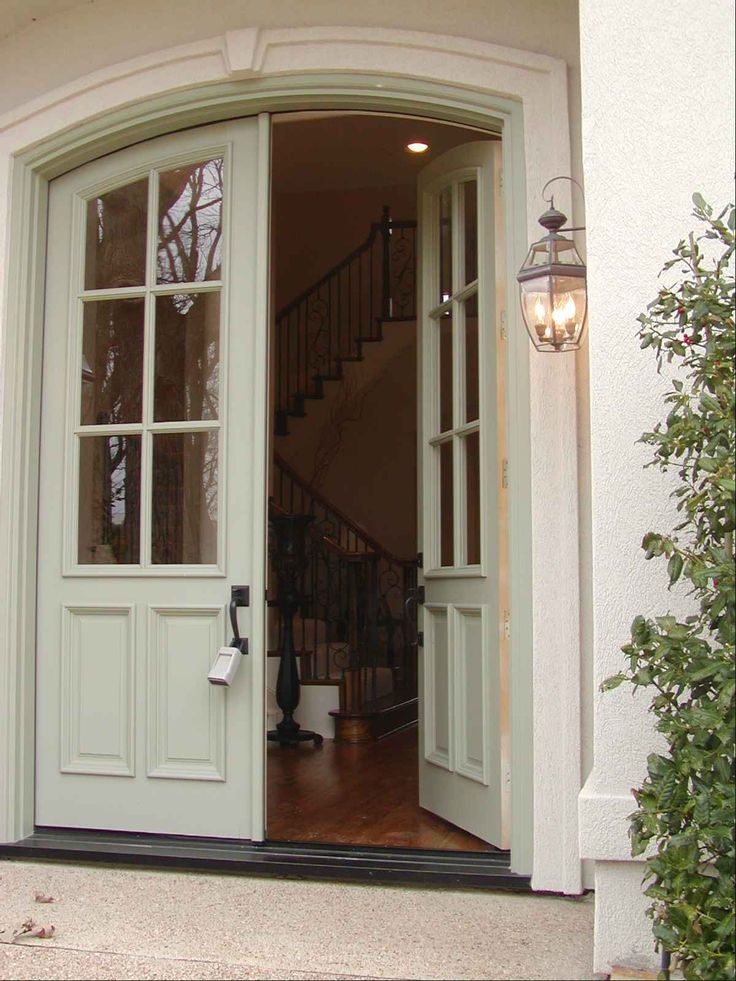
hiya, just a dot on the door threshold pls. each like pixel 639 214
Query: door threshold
pixel 474 870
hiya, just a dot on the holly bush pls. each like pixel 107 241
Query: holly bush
pixel 685 814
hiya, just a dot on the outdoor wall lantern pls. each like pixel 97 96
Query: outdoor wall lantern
pixel 552 284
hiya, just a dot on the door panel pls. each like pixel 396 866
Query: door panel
pixel 463 770
pixel 152 496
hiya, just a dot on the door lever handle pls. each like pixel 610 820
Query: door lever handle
pixel 415 596
pixel 239 596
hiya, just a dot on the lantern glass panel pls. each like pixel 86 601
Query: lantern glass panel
pixel 554 308
pixel 552 251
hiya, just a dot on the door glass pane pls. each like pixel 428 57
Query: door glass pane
pixel 445 244
pixel 447 523
pixel 444 325
pixel 472 490
pixel 112 362
pixel 109 500
pixel 471 358
pixel 187 356
pixel 184 499
pixel 190 223
pixel 470 200
pixel 115 254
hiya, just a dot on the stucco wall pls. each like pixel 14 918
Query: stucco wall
pixel 658 124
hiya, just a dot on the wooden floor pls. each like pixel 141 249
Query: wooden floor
pixel 359 794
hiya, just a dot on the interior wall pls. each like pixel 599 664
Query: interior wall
pixel 314 231
pixel 373 477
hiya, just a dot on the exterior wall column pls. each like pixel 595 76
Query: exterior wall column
pixel 657 125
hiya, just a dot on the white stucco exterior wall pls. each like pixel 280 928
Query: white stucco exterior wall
pixel 657 125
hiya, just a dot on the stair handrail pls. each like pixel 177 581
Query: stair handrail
pixel 337 268
pixel 358 530
pixel 323 326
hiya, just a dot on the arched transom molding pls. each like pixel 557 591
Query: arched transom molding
pixel 244 71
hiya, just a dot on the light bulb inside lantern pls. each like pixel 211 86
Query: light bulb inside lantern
pixel 539 310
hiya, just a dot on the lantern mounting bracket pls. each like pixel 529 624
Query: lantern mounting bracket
pixel 560 177
pixel 552 282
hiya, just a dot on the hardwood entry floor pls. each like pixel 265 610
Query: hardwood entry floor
pixel 356 794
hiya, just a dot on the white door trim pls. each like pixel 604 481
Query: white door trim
pixel 249 71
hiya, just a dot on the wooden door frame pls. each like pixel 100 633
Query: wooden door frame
pixel 457 80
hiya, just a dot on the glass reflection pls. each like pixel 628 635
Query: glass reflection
pixel 470 202
pixel 187 356
pixel 447 498
pixel 109 500
pixel 115 253
pixel 184 498
pixel 445 379
pixel 445 244
pixel 190 223
pixel 471 358
pixel 112 362
pixel 472 489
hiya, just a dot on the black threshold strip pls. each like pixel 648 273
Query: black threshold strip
pixel 476 870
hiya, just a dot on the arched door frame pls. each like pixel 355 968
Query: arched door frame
pixel 521 95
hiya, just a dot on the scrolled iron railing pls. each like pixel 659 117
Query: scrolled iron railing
pixel 328 323
pixel 354 625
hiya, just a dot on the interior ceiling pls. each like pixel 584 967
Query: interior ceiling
pixel 15 15
pixel 320 151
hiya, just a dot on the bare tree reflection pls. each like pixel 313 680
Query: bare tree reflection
pixel 186 369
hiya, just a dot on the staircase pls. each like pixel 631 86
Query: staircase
pixel 353 632
pixel 329 323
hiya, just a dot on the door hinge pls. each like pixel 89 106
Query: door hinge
pixel 420 560
pixel 420 638
pixel 420 595
pixel 507 625
pixel 503 328
pixel 500 180
pixel 505 473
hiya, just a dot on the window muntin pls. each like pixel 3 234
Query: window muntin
pixel 148 436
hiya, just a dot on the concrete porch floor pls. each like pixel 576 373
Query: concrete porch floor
pixel 131 923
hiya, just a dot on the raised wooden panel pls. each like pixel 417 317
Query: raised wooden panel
pixel 96 706
pixel 470 659
pixel 438 701
pixel 186 714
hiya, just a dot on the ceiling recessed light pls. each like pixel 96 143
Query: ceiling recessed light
pixel 417 147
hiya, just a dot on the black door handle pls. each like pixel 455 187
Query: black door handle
pixel 414 596
pixel 239 596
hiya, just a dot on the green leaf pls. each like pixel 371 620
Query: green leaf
pixel 674 567
pixel 699 201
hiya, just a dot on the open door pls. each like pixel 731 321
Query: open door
pixel 153 489
pixel 463 769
